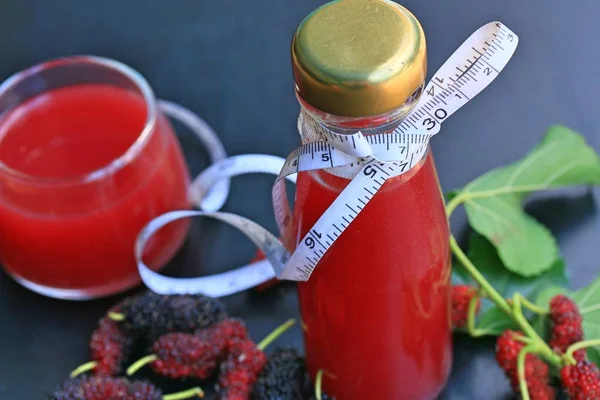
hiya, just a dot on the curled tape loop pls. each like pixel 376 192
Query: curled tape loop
pixel 368 160
pixel 218 191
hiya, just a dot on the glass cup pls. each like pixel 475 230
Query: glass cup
pixel 86 160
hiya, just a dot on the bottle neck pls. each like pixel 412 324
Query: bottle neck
pixel 383 123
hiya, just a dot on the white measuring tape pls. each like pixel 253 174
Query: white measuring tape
pixel 369 160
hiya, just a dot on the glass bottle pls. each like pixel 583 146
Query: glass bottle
pixel 376 310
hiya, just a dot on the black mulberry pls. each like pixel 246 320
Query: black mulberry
pixel 153 315
pixel 282 378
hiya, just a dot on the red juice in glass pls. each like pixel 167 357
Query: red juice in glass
pixel 376 309
pixel 86 160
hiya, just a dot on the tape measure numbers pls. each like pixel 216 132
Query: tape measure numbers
pixel 368 160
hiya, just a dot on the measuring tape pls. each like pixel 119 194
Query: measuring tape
pixel 368 160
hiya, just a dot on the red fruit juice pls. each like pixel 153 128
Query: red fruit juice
pixel 67 222
pixel 376 310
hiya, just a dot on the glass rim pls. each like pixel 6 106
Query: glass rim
pixel 115 164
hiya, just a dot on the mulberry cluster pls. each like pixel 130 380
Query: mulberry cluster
pixel 103 388
pixel 192 338
pixel 184 355
pixel 581 381
pixel 536 371
pixel 566 325
pixel 152 315
pixel 461 298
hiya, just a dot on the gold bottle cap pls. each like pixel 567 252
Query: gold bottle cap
pixel 359 58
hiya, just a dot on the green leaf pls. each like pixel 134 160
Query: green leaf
pixel 494 321
pixel 588 300
pixel 485 257
pixel 493 202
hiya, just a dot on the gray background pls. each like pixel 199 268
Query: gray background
pixel 229 61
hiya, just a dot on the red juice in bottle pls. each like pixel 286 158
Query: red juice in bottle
pixel 376 309
pixel 84 168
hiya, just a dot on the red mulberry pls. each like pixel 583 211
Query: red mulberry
pixel 184 355
pixel 536 371
pixel 110 346
pixel 581 381
pixel 240 370
pixel 461 298
pixel 566 325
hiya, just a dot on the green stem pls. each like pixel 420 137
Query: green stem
pixel 533 307
pixel 276 333
pixel 578 346
pixel 471 318
pixel 115 316
pixel 133 368
pixel 523 339
pixel 521 369
pixel 452 204
pixel 515 312
pixel 186 394
pixel 483 283
pixel 88 366
pixel 541 346
pixel 318 384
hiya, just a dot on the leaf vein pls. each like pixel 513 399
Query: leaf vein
pixel 521 167
pixel 588 293
pixel 490 212
pixel 589 309
pixel 560 172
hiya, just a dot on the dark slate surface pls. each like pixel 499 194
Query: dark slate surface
pixel 229 61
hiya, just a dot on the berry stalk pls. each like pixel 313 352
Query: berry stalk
pixel 275 334
pixel 318 384
pixel 472 312
pixel 479 278
pixel 540 345
pixel 186 394
pixel 531 348
pixel 533 307
pixel 136 366
pixel 88 366
pixel 578 346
